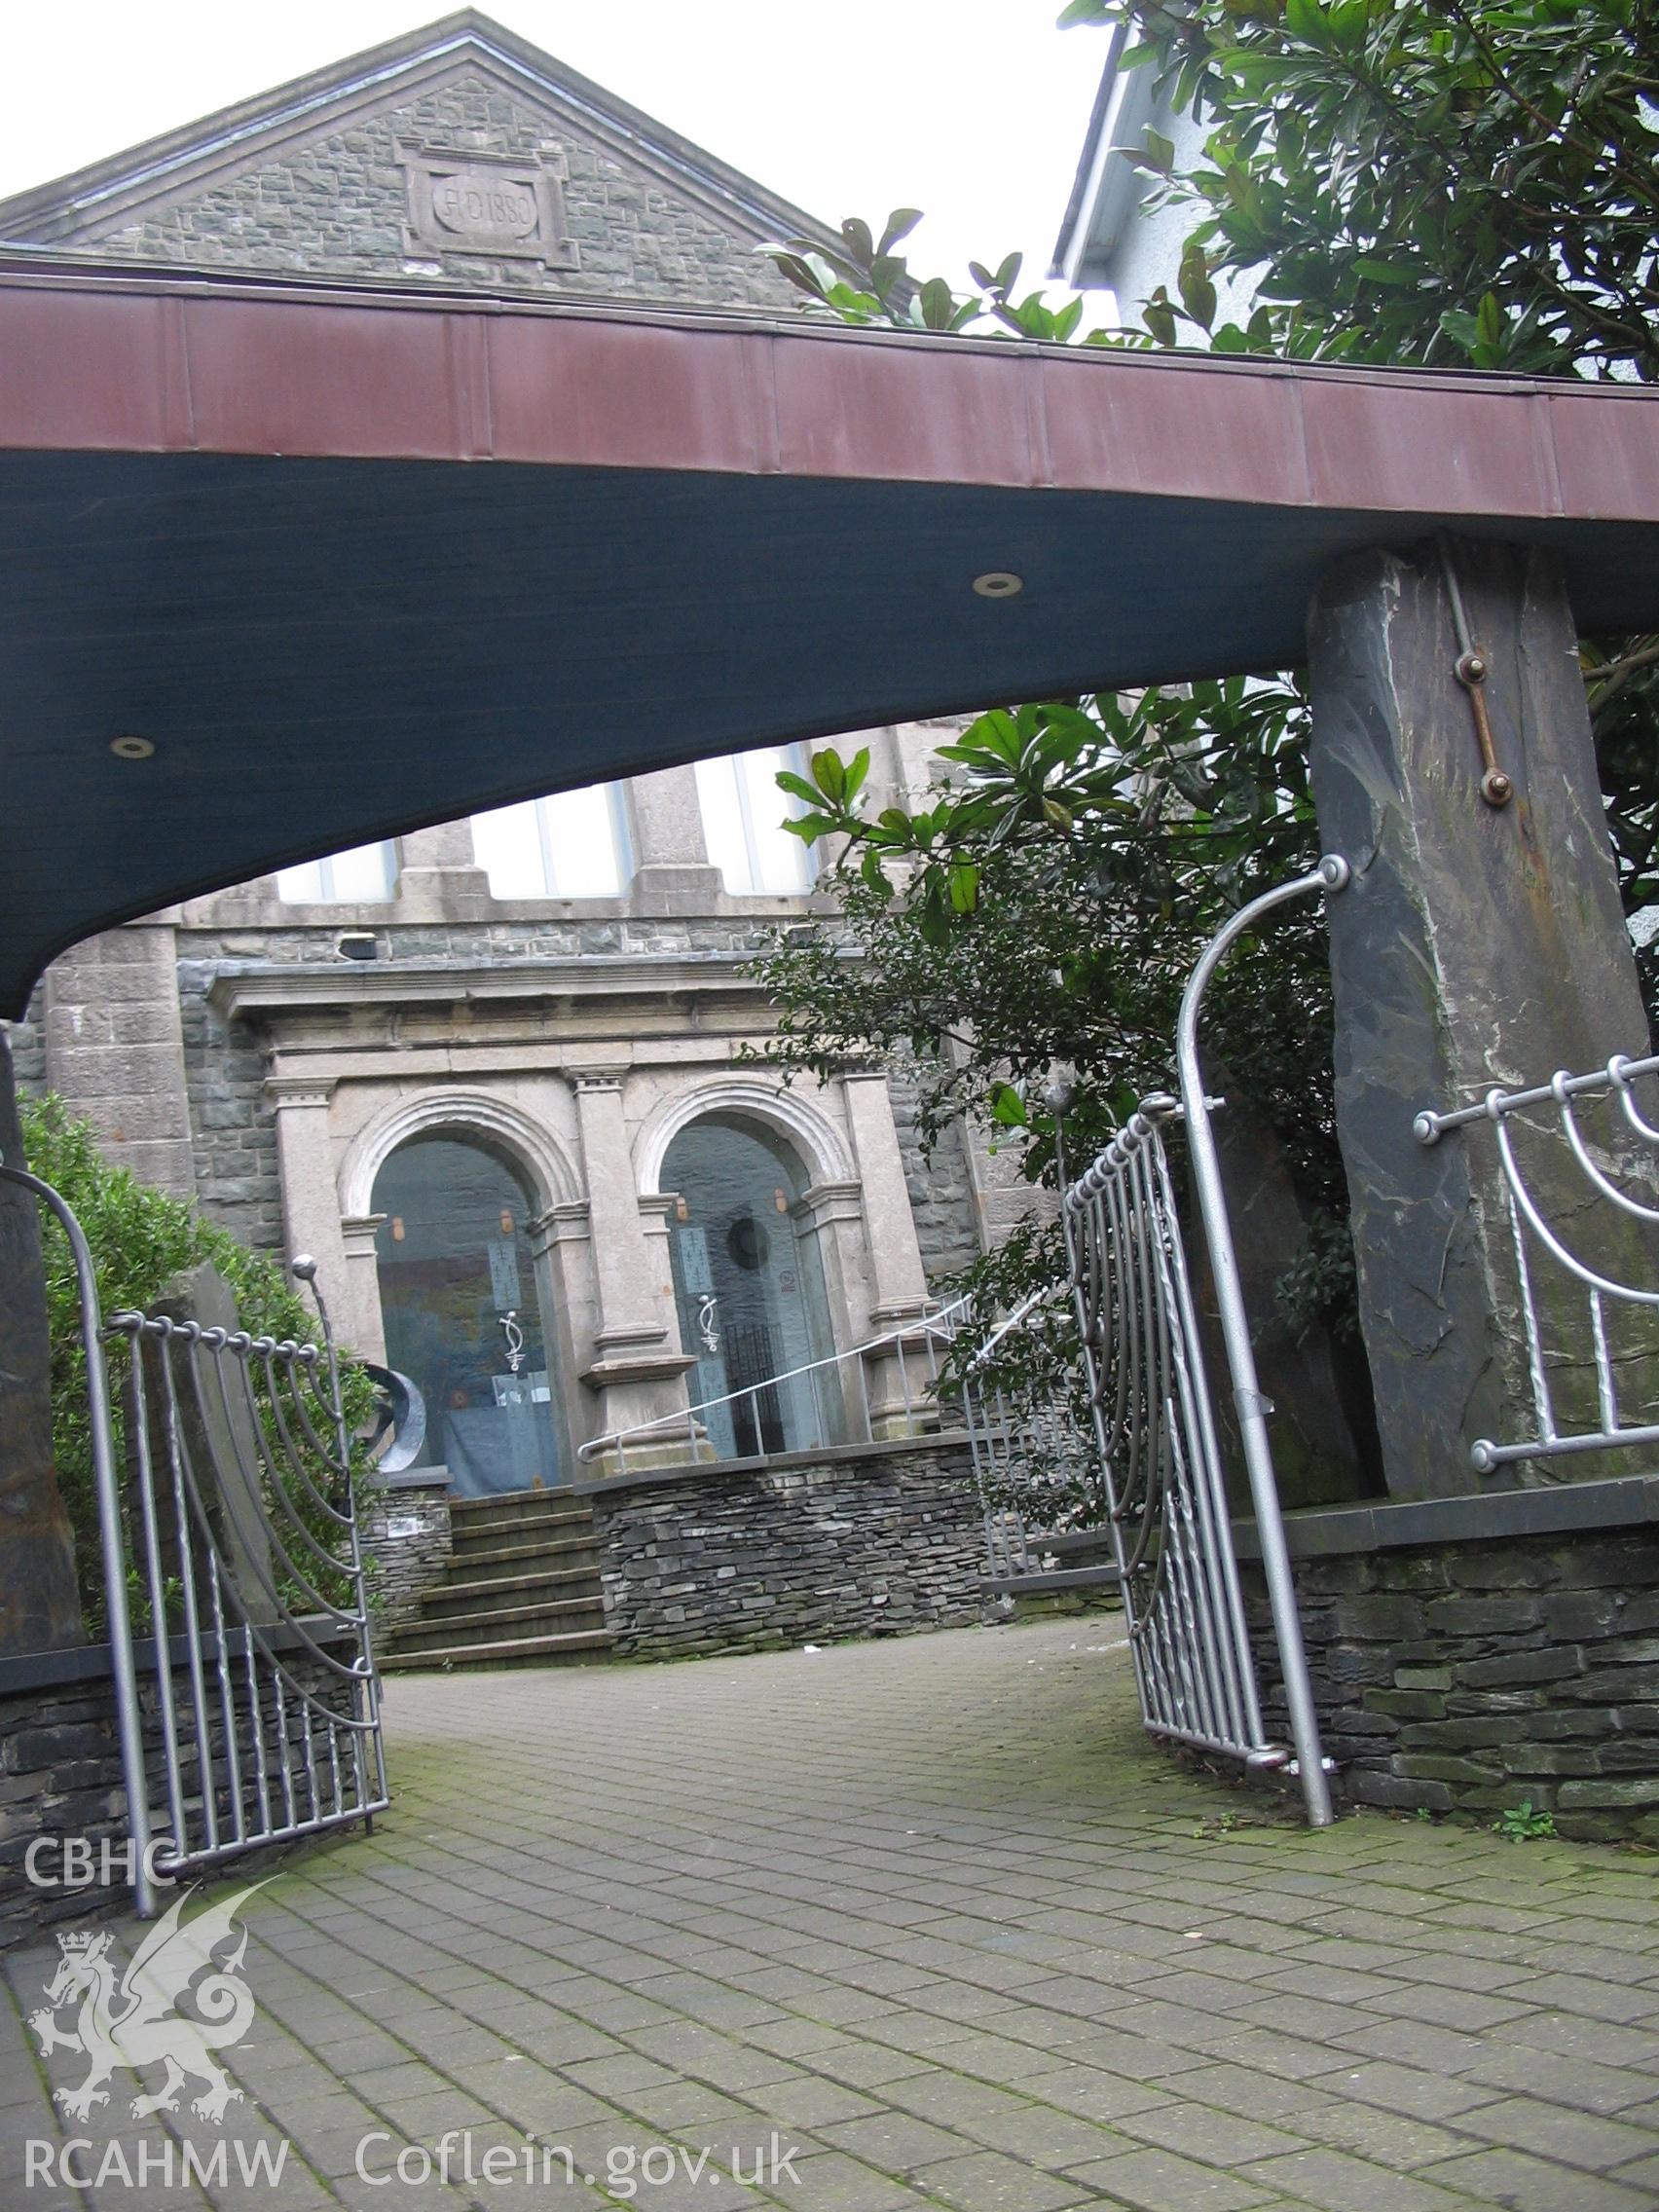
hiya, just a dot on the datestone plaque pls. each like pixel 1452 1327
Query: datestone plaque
pixel 462 202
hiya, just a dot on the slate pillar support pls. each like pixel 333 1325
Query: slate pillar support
pixel 40 1609
pixel 1478 946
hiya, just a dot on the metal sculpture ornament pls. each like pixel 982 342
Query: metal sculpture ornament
pixel 130 2020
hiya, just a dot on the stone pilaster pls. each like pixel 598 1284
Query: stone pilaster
pixel 896 1378
pixel 438 876
pixel 638 1369
pixel 361 1323
pixel 310 1205
pixel 831 1217
pixel 115 1051
pixel 671 873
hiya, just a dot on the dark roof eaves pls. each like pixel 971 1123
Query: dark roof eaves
pixel 1076 211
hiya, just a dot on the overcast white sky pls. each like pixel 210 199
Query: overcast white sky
pixel 972 110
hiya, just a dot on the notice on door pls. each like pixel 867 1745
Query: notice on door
pixel 505 1274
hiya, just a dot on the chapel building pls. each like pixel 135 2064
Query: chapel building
pixel 499 1076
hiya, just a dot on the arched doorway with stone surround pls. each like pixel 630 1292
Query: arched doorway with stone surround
pixel 748 1285
pixel 832 1149
pixel 509 1166
pixel 463 1312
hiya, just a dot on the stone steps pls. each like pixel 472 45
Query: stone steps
pixel 543 1528
pixel 456 1625
pixel 533 1506
pixel 522 1588
pixel 579 1650
pixel 569 1549
pixel 574 1581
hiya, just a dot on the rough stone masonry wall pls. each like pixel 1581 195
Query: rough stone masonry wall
pixel 807 1548
pixel 60 1777
pixel 29 1046
pixel 939 1185
pixel 1467 1677
pixel 232 1127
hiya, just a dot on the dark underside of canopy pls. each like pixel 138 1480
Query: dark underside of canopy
pixel 328 646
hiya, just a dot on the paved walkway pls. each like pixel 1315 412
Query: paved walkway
pixel 930 1916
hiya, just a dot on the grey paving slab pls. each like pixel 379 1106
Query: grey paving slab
pixel 1338 2182
pixel 917 1924
pixel 1525 2184
pixel 1158 2181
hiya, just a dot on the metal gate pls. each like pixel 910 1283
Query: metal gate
pixel 1154 1423
pixel 222 1464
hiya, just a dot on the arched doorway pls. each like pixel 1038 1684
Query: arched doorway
pixel 462 1311
pixel 750 1287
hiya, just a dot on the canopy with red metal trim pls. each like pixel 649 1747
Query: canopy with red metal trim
pixel 353 559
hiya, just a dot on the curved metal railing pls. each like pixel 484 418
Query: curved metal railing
pixel 1631 1147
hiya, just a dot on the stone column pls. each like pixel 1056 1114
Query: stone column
pixel 115 1051
pixel 637 1371
pixel 898 1285
pixel 830 1216
pixel 671 873
pixel 1478 946
pixel 559 1241
pixel 40 1606
pixel 310 1205
pixel 360 1322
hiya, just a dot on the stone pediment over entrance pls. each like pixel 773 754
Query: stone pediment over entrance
pixel 458 151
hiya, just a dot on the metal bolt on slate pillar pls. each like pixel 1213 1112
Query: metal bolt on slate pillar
pixel 1471 666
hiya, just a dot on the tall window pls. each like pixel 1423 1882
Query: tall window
pixel 367 873
pixel 743 817
pixel 574 845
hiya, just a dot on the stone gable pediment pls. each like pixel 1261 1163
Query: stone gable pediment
pixel 459 155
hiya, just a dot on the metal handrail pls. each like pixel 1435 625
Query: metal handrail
pixel 1014 1320
pixel 942 1325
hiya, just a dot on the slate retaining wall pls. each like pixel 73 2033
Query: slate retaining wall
pixel 1469 1653
pixel 406 1538
pixel 61 1783
pixel 870 1541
